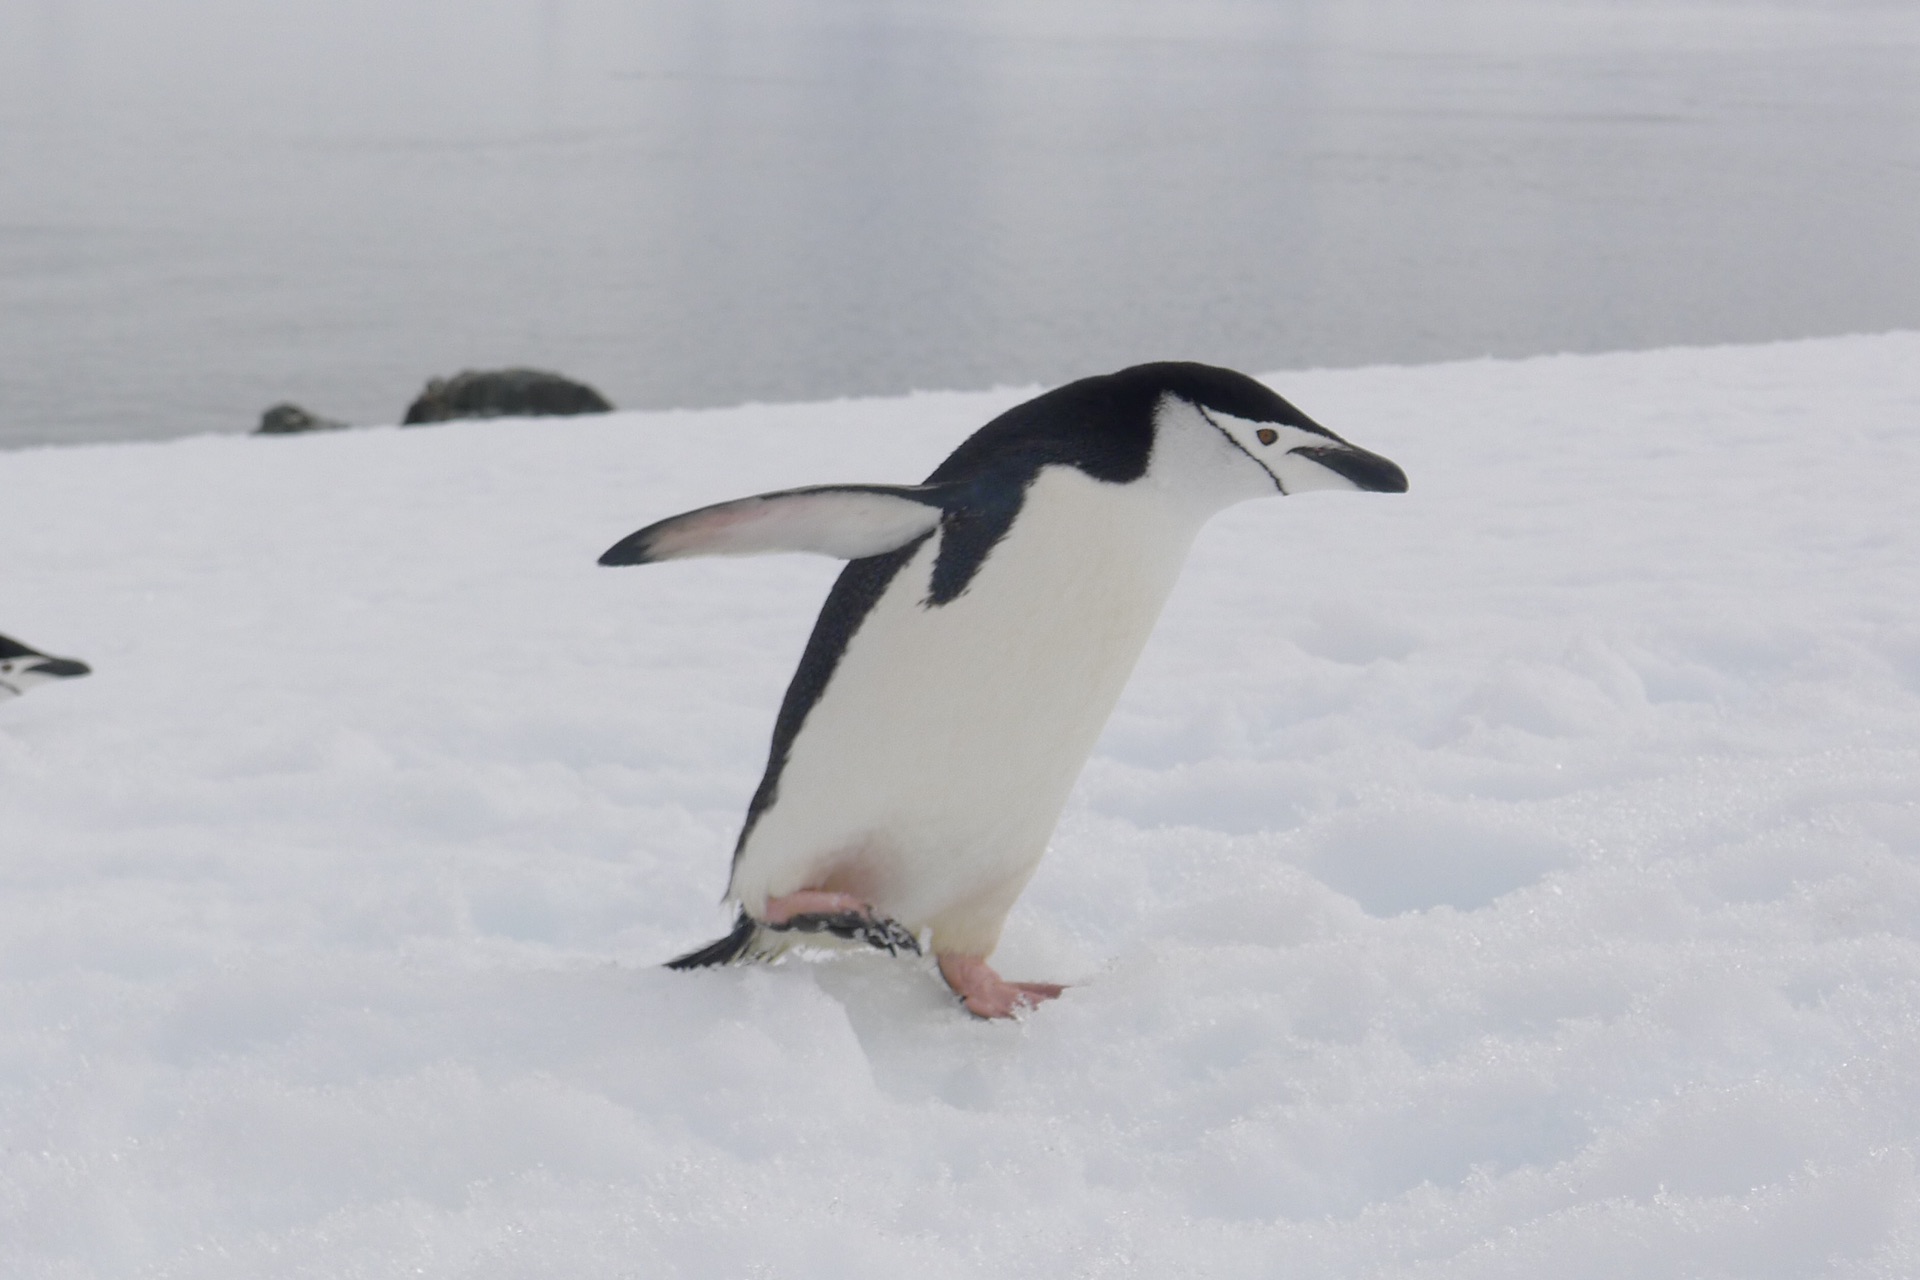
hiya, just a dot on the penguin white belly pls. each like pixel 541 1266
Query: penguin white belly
pixel 930 773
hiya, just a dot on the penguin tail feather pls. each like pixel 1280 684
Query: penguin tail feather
pixel 737 946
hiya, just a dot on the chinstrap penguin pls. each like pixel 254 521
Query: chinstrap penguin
pixel 969 655
pixel 21 668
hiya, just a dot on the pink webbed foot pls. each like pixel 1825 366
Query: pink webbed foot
pixel 840 914
pixel 988 995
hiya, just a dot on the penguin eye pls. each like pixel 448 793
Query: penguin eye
pixel 1267 435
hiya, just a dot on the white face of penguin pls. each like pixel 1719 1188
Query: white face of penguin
pixel 1215 460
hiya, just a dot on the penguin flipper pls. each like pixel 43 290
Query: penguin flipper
pixel 848 521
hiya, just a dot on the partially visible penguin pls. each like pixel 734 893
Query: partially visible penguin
pixel 969 655
pixel 21 668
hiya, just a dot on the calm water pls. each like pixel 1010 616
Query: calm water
pixel 207 207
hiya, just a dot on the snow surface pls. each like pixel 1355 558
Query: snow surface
pixel 1517 878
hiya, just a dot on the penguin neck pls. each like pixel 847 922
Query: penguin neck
pixel 1090 549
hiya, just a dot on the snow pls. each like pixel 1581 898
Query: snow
pixel 1520 877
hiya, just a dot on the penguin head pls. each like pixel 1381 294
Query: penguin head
pixel 1223 438
pixel 1205 437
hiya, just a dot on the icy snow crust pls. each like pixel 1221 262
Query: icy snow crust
pixel 1517 878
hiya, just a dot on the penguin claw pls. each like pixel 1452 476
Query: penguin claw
pixel 985 994
pixel 878 932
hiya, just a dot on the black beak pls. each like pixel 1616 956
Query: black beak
pixel 60 667
pixel 1368 471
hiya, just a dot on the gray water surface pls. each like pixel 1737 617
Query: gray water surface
pixel 207 207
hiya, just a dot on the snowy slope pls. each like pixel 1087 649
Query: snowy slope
pixel 1517 878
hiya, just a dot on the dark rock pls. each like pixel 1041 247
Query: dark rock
pixel 503 393
pixel 291 419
